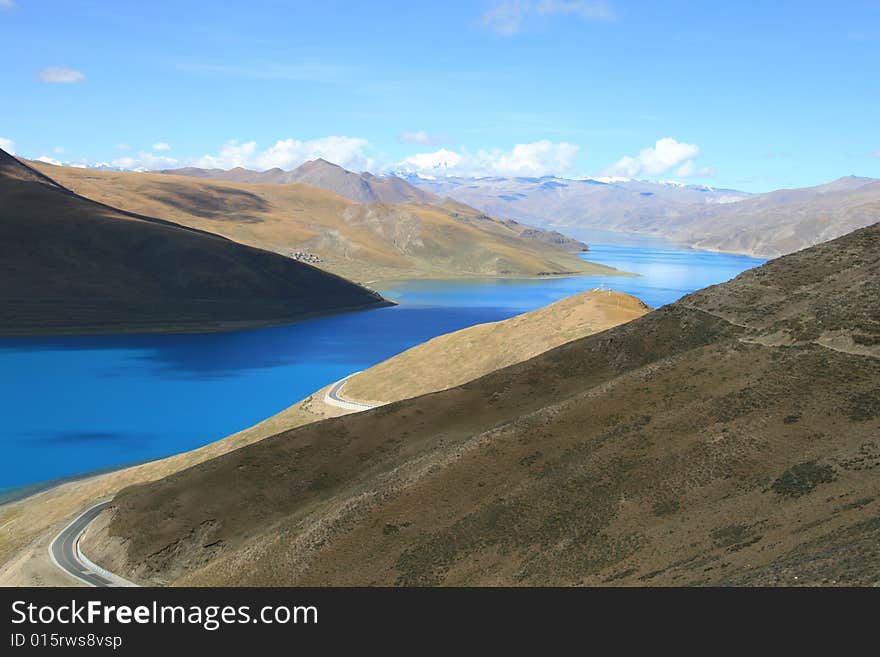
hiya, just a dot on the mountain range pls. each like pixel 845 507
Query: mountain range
pixel 727 438
pixel 699 216
pixel 69 264
pixel 763 225
pixel 360 241
pixel 364 188
pixel 360 187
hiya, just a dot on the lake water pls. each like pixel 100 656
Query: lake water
pixel 78 404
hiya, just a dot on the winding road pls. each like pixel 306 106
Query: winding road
pixel 66 554
pixel 334 398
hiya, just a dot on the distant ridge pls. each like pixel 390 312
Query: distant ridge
pixel 72 265
pixel 700 216
pixel 365 188
pixel 786 220
pixel 360 187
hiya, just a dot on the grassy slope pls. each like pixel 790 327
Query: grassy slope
pixel 363 242
pixel 729 438
pixel 455 358
pixel 69 264
pixel 21 522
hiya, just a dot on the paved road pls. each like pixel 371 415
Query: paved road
pixel 64 553
pixel 335 399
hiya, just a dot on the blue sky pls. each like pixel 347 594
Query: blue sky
pixel 750 95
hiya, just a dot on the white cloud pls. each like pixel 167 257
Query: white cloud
pixel 540 158
pixel 144 161
pixel 7 145
pixel 507 17
pixel 49 160
pixel 6 4
pixel 536 159
pixel 285 153
pixel 441 160
pixel 161 146
pixel 590 11
pixel 347 152
pixel 58 150
pixel 420 137
pixel 61 74
pixel 661 157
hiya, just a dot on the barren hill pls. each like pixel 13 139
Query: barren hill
pixel 71 265
pixel 361 241
pixel 360 187
pixel 764 225
pixel 786 220
pixel 455 358
pixel 727 438
pixel 367 188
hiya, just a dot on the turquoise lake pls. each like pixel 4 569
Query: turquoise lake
pixel 73 405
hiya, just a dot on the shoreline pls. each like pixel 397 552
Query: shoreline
pixel 248 325
pixel 673 241
pixel 614 272
pixel 17 494
pixel 195 329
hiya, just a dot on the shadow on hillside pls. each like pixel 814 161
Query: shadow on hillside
pixel 215 203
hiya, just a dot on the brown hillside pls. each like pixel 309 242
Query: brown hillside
pixel 455 358
pixel 364 242
pixel 359 187
pixel 728 438
pixel 71 265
